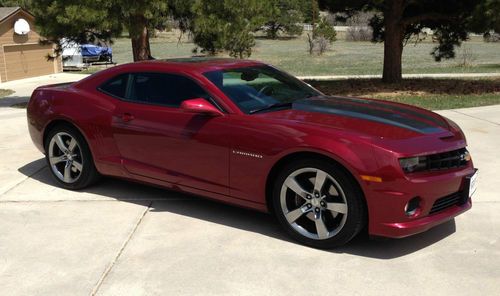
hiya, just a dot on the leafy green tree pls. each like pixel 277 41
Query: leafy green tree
pixel 182 12
pixel 226 25
pixel 75 20
pixel 397 20
pixel 98 21
pixel 26 4
pixel 283 16
pixel 486 17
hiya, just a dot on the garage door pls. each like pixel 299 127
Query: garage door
pixel 27 60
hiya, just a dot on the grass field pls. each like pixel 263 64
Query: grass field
pixel 345 58
pixel 365 58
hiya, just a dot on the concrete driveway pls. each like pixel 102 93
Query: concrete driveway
pixel 118 238
pixel 24 87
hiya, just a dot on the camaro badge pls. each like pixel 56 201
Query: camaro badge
pixel 247 154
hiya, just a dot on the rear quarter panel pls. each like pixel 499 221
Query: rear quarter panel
pixel 87 111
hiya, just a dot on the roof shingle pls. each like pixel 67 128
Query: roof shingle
pixel 5 12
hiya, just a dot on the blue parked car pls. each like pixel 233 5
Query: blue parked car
pixel 78 56
pixel 93 53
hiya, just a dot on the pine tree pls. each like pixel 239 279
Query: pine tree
pixel 227 25
pixel 283 16
pixel 98 21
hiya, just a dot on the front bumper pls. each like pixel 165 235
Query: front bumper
pixel 404 229
pixel 386 204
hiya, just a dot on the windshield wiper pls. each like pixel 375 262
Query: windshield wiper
pixel 272 106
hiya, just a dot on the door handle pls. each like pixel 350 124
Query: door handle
pixel 127 117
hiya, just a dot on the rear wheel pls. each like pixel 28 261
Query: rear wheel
pixel 69 158
pixel 318 203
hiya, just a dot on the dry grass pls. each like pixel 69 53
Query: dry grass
pixel 423 86
pixel 5 92
pixel 427 93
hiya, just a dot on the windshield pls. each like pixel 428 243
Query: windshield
pixel 260 87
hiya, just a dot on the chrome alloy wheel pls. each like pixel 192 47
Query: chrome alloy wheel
pixel 313 203
pixel 65 157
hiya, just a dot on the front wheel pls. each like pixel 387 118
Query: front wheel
pixel 69 158
pixel 318 203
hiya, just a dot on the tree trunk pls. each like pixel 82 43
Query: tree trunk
pixel 315 6
pixel 393 41
pixel 139 35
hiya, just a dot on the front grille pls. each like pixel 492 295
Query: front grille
pixel 447 201
pixel 446 160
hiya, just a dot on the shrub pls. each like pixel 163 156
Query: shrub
pixel 491 37
pixel 322 45
pixel 323 36
pixel 466 57
pixel 326 30
pixel 359 33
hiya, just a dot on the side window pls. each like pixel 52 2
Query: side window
pixel 117 86
pixel 164 89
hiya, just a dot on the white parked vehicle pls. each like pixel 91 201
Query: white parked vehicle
pixel 80 56
pixel 72 56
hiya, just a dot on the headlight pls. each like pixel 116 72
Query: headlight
pixel 413 164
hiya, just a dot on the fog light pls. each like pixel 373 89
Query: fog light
pixel 412 206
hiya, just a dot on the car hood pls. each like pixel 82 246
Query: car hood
pixel 366 116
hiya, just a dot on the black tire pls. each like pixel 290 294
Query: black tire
pixel 354 221
pixel 88 174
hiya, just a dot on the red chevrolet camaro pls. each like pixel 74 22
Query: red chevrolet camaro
pixel 245 133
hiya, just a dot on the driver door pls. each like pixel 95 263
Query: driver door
pixel 156 139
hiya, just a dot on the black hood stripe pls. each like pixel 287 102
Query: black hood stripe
pixel 378 112
pixel 395 108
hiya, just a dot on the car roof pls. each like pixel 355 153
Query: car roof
pixel 199 64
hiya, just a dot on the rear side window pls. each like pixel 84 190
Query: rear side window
pixel 116 87
pixel 163 89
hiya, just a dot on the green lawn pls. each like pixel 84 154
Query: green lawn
pixel 5 92
pixel 360 58
pixel 435 94
pixel 345 58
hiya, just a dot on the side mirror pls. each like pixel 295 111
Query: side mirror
pixel 200 106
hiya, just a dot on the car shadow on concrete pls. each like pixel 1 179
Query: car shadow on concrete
pixel 164 200
pixel 14 101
